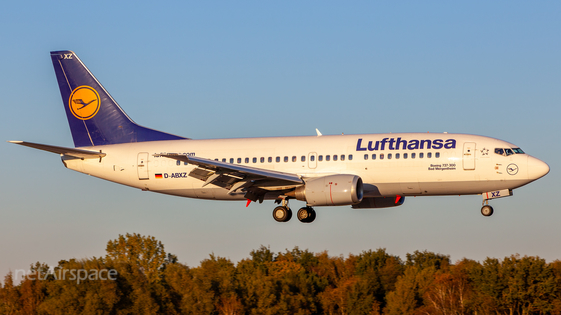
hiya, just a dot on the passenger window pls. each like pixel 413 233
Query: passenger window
pixel 293 158
pixel 404 155
pixel 373 156
pixel 178 162
pixel 262 160
pixel 239 160
pixel 327 158
pixel 286 159
pixel 270 159
pixel 224 160
pixel 312 158
pixel 277 159
pixel 246 160
pixel 366 156
pixel 185 163
pixel 342 157
pixel 320 158
pixel 334 157
pixel 231 160
pixel 389 156
pixel 421 155
pixel 397 155
pixel 429 155
pixel 350 157
pixel 412 155
pixel 214 159
pixel 381 156
pixel 303 158
pixel 437 155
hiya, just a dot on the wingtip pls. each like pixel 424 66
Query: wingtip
pixel 15 141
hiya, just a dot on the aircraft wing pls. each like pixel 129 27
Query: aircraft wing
pixel 235 176
pixel 79 153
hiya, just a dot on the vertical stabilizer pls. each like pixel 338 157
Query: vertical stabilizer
pixel 94 116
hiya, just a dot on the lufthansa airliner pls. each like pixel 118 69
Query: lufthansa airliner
pixel 362 171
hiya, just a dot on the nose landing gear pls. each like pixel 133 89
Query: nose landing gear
pixel 486 210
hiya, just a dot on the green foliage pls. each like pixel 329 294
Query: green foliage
pixel 144 252
pixel 147 280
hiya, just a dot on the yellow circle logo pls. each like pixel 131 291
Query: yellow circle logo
pixel 84 102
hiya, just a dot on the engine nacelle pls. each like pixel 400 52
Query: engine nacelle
pixel 379 202
pixel 332 190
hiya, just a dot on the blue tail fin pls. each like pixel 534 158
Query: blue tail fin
pixel 94 116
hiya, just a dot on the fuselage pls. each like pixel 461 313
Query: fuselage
pixel 406 164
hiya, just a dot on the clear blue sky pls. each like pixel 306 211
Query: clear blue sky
pixel 261 68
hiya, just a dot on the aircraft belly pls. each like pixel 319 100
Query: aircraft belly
pixel 209 193
pixel 470 187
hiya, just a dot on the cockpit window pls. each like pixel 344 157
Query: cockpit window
pixel 508 151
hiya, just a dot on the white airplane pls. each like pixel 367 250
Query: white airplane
pixel 362 171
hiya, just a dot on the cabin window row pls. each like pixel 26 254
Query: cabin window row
pixel 329 157
pixel 390 156
pixel 286 159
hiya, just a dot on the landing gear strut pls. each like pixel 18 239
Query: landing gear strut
pixel 306 215
pixel 486 210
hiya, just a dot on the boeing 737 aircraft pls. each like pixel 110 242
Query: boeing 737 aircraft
pixel 362 171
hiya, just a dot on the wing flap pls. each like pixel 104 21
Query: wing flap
pixel 79 153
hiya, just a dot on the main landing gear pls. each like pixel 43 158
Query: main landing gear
pixel 486 210
pixel 306 215
pixel 284 214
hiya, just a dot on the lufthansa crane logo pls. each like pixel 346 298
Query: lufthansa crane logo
pixel 512 169
pixel 84 102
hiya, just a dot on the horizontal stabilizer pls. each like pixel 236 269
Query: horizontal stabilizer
pixel 83 154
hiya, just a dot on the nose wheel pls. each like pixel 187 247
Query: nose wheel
pixel 487 210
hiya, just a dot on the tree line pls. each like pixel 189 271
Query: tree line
pixel 144 279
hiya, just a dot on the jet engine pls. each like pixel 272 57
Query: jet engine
pixel 332 190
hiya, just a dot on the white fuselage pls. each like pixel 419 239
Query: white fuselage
pixel 407 164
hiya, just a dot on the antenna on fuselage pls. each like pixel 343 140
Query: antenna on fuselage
pixel 319 133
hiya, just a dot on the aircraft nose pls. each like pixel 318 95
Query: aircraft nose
pixel 536 168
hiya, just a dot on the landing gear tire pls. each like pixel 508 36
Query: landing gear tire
pixel 306 215
pixel 487 211
pixel 282 214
